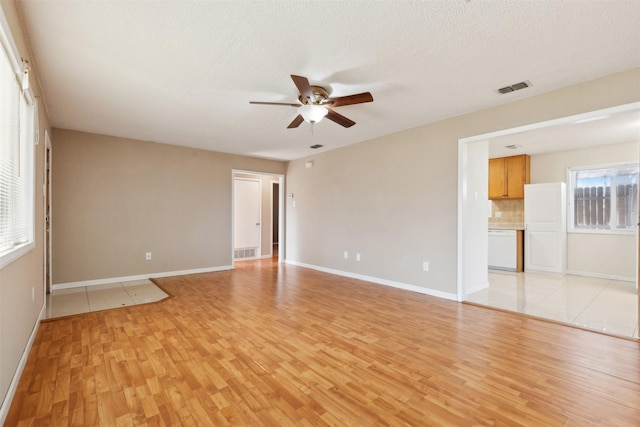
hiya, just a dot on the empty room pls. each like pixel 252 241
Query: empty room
pixel 310 213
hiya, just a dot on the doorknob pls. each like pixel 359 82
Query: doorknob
pixel 257 223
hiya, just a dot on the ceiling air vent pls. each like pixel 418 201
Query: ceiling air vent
pixel 315 147
pixel 513 87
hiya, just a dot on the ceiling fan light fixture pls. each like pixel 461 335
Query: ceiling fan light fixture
pixel 313 113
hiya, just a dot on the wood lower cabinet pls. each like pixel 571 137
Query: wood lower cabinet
pixel 507 177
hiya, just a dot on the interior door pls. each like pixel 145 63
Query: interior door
pixel 545 227
pixel 247 203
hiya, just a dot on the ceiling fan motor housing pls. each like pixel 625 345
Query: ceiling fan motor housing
pixel 319 93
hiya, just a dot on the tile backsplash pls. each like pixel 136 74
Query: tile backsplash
pixel 506 212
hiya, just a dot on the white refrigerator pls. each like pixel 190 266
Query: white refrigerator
pixel 545 219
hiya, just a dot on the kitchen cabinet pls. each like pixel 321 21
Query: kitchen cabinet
pixel 507 177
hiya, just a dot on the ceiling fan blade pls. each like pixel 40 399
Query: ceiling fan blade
pixel 358 98
pixel 302 83
pixel 274 103
pixel 296 122
pixel 339 119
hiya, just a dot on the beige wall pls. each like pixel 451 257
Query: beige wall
pixel 394 198
pixel 18 312
pixel 116 198
pixel 607 255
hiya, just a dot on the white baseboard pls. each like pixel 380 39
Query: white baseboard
pixel 601 276
pixel 11 392
pixel 96 282
pixel 376 280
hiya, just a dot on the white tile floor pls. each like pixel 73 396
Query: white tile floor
pixel 600 304
pixel 66 302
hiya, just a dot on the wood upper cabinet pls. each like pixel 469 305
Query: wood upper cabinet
pixel 507 177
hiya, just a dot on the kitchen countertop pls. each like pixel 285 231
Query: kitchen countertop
pixel 506 226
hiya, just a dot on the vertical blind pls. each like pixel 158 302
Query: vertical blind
pixel 16 160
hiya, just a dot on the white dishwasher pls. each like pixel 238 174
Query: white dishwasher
pixel 503 250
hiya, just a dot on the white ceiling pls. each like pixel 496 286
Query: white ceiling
pixel 183 72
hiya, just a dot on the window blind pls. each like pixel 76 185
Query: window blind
pixel 16 160
pixel 9 156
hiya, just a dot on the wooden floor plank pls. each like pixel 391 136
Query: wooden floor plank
pixel 273 345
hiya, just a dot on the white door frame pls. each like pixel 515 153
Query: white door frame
pixel 464 225
pixel 281 216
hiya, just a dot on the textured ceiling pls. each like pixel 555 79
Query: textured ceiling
pixel 183 72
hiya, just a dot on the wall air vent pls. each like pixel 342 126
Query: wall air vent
pixel 513 87
pixel 244 253
pixel 512 146
pixel 315 147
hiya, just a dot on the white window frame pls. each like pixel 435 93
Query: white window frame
pixel 570 196
pixel 27 139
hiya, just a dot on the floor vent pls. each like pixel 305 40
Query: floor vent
pixel 244 253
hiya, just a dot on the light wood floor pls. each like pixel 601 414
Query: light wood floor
pixel 275 345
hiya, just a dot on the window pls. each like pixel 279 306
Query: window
pixel 17 138
pixel 604 198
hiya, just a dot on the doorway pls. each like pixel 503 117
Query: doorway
pixel 472 158
pixel 258 222
pixel 247 222
pixel 275 217
pixel 48 155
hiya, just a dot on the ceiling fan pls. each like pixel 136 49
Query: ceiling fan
pixel 316 103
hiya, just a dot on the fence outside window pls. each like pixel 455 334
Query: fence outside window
pixel 605 198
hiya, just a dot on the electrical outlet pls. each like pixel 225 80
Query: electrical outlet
pixel 425 265
pixel 357 257
pixel 346 255
pixel 33 294
pixel 498 214
pixel 147 256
